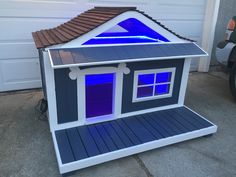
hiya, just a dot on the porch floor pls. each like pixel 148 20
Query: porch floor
pixel 80 143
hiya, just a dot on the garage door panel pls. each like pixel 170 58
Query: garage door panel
pixel 175 10
pixel 18 50
pixel 34 8
pixel 20 29
pixel 37 13
pixel 181 2
pixel 19 74
pixel 185 12
pixel 185 28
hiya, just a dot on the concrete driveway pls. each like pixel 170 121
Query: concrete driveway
pixel 26 147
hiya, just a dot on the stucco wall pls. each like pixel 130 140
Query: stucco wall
pixel 226 11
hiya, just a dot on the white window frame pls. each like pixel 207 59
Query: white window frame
pixel 151 71
pixel 116 82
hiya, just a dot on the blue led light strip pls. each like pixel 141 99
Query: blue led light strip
pixel 129 37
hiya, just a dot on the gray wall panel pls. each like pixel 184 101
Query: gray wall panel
pixel 66 96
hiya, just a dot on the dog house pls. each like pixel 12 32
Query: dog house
pixel 115 82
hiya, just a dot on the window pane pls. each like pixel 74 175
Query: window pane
pixel 95 79
pixel 163 77
pixel 162 89
pixel 144 79
pixel 145 91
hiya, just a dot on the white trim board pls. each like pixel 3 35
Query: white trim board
pixel 211 15
pixel 76 165
pixel 184 80
pixel 51 92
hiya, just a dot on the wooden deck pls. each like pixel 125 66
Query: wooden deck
pixel 84 142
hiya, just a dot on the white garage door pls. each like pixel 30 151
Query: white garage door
pixel 19 65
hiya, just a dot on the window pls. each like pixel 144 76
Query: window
pixel 153 84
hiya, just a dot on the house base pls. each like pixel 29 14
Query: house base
pixel 89 145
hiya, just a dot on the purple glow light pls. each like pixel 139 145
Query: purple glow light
pixel 163 77
pixel 135 32
pixel 145 91
pixel 99 94
pixel 144 79
pixel 162 89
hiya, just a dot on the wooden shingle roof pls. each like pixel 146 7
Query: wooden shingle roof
pixel 82 24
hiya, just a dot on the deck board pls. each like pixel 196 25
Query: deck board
pixel 88 141
pixel 116 139
pixel 166 119
pixel 195 117
pixel 64 147
pixel 128 132
pixel 98 139
pixel 152 130
pixel 106 137
pixel 185 122
pixel 174 119
pixel 162 124
pixel 139 130
pixel 91 140
pixel 163 131
pixel 194 120
pixel 126 140
pixel 76 144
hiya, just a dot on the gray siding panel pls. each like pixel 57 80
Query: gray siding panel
pixel 66 96
pixel 129 106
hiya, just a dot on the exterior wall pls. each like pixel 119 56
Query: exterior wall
pixel 129 106
pixel 66 96
pixel 20 69
pixel 66 89
pixel 226 12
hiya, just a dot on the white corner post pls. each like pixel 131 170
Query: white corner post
pixel 184 81
pixel 51 92
pixel 211 14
